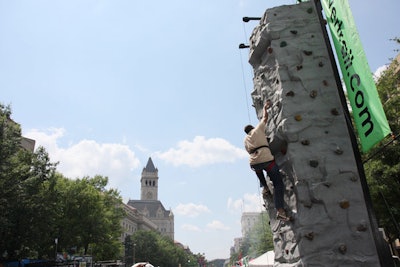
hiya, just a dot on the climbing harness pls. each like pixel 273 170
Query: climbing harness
pixel 257 148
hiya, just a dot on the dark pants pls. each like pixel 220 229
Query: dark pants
pixel 272 171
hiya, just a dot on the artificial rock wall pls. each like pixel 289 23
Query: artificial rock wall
pixel 310 140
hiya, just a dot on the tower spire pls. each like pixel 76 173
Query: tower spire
pixel 150 166
pixel 149 182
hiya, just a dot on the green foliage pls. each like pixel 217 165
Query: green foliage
pixel 26 188
pixel 90 218
pixel 383 167
pixel 37 205
pixel 159 250
pixel 261 236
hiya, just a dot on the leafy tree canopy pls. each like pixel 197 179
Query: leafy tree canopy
pixel 159 250
pixel 383 167
pixel 39 205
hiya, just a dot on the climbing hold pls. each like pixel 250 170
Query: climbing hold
pixel 310 10
pixel 353 178
pixel 334 111
pixel 312 35
pixel 290 93
pixel 298 118
pixel 344 204
pixel 277 81
pixel 338 151
pixel 294 31
pixel 313 94
pixel 283 44
pixel 327 184
pixel 305 142
pixel 314 163
pixel 325 82
pixel 362 226
pixel 321 64
pixel 307 53
pixel 309 236
pixel 299 67
pixel 270 50
pixel 342 248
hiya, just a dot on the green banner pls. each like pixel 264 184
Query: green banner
pixel 369 117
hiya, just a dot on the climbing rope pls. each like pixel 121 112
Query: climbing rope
pixel 245 88
pixel 262 202
pixel 243 75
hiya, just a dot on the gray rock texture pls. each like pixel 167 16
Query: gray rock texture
pixel 311 144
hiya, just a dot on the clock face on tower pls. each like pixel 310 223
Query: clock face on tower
pixel 149 195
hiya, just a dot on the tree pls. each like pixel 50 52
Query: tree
pixel 40 204
pixel 26 193
pixel 146 246
pixel 91 217
pixel 37 205
pixel 383 167
pixel 160 250
pixel 261 237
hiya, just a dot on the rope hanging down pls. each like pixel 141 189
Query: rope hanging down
pixel 241 46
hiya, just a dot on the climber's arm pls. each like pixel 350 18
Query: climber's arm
pixel 265 114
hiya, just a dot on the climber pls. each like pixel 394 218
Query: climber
pixel 261 159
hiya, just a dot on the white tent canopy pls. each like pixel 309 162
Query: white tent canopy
pixel 142 264
pixel 265 260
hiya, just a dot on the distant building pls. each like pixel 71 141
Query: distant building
pixel 149 206
pixel 249 219
pixel 237 243
pixel 26 143
pixel 134 221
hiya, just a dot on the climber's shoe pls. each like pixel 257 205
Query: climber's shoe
pixel 283 217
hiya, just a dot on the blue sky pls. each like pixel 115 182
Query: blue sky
pixel 104 85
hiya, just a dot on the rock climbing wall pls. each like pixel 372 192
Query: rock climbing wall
pixel 308 135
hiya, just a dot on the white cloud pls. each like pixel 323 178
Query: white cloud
pixel 379 72
pixel 87 158
pixel 191 228
pixel 191 210
pixel 217 225
pixel 202 151
pixel 248 203
pixel 46 139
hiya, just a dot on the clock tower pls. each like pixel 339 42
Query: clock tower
pixel 149 206
pixel 149 182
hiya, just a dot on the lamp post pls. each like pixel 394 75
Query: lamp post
pixel 56 244
pixel 134 247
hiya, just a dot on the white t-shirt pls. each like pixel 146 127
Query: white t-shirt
pixel 256 138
